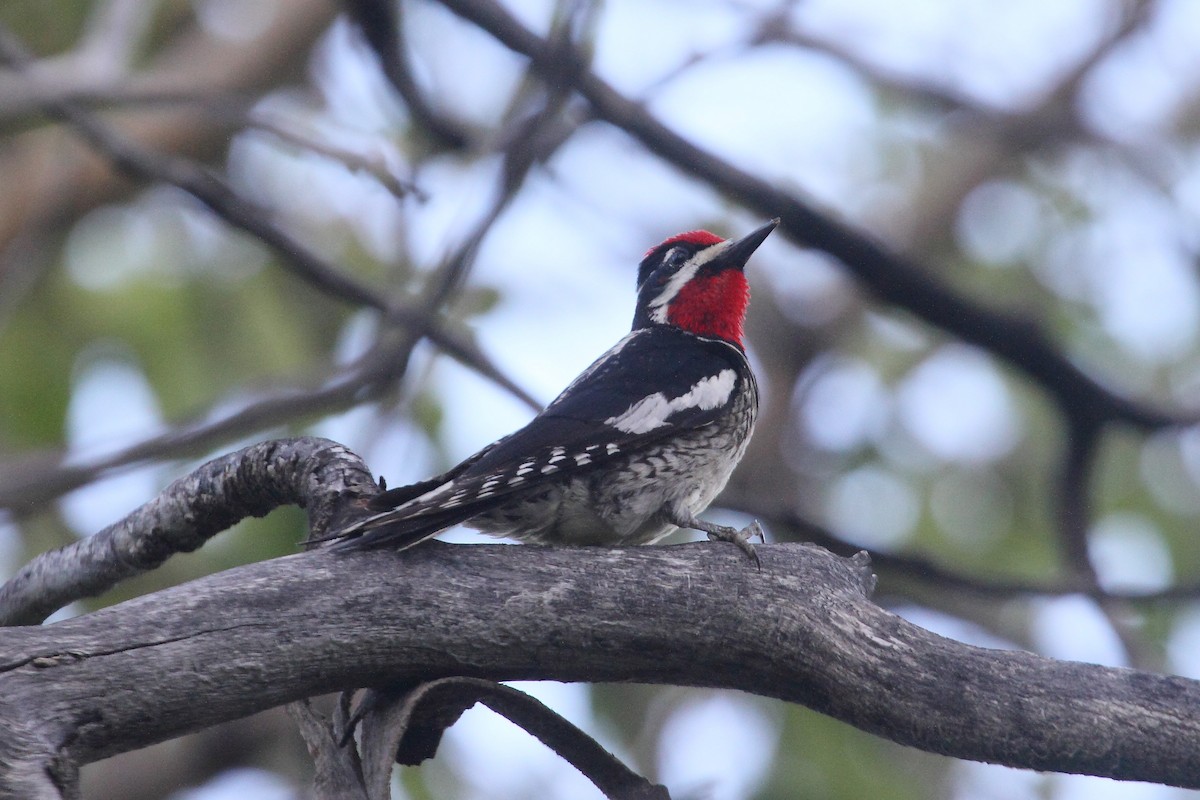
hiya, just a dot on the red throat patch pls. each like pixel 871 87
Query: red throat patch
pixel 712 306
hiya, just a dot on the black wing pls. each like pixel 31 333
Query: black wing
pixel 653 384
pixel 394 498
pixel 650 363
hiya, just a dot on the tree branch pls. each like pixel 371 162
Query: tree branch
pixel 32 482
pixel 371 164
pixel 382 28
pixel 802 630
pixel 337 771
pixel 406 726
pixel 315 474
pixel 790 526
pixel 220 198
pixel 890 276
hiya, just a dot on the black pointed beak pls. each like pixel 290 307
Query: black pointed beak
pixel 738 253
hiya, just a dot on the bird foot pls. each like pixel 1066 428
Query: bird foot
pixel 741 538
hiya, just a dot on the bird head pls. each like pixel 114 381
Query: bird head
pixel 694 282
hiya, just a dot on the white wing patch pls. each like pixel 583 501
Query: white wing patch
pixel 653 411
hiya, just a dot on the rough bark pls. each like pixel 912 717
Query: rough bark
pixel 316 474
pixel 801 629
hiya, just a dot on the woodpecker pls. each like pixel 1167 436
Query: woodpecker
pixel 635 447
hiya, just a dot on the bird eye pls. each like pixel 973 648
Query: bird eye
pixel 674 257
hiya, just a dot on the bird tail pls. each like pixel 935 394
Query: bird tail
pixel 396 529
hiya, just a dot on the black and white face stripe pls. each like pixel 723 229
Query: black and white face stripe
pixel 661 302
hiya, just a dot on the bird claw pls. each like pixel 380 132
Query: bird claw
pixel 741 538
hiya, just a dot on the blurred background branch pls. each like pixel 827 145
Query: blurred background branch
pixel 979 346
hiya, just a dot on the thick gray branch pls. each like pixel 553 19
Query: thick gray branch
pixel 802 630
pixel 316 474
